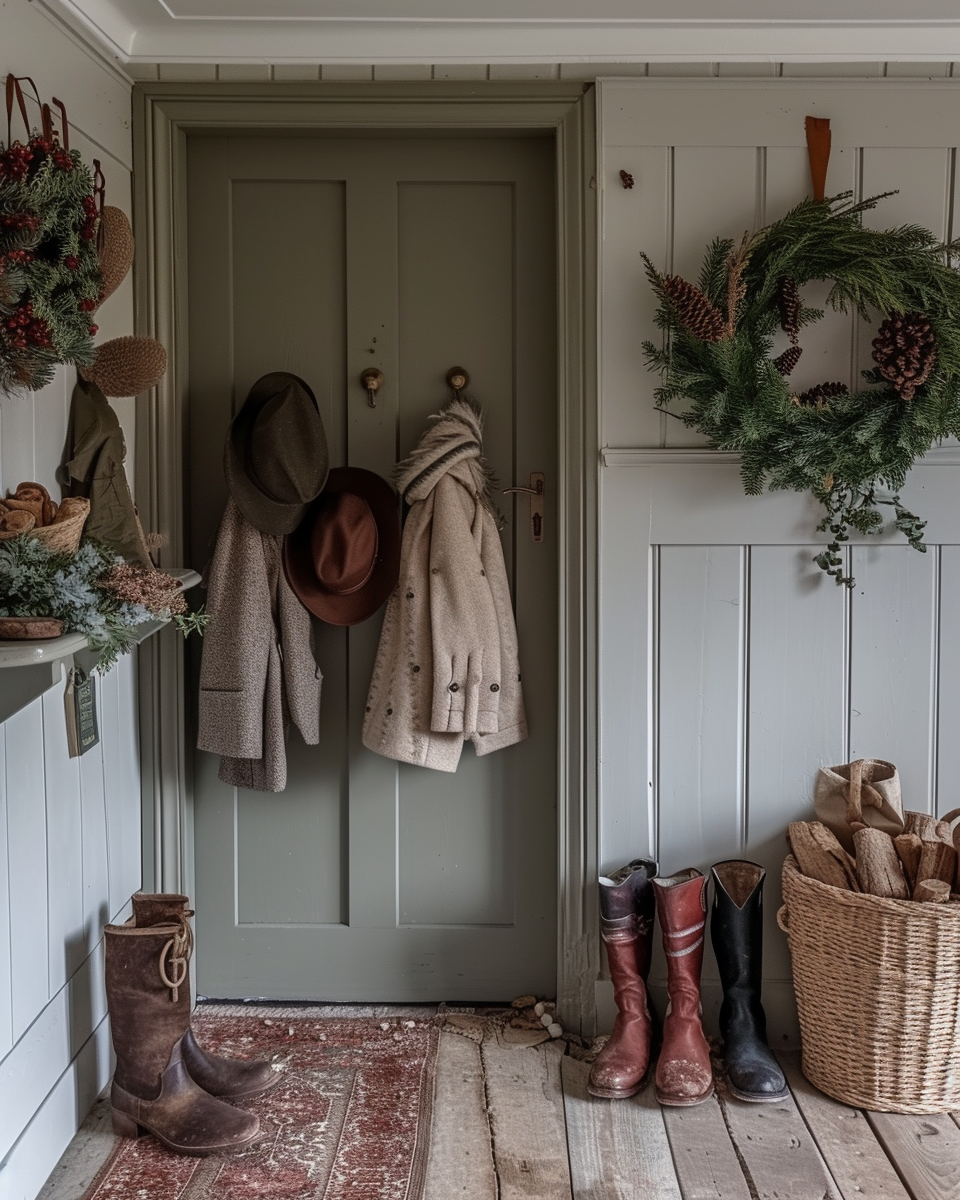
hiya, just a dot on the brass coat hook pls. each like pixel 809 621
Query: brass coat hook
pixel 457 378
pixel 371 380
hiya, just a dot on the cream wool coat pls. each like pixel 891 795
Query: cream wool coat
pixel 447 668
pixel 258 670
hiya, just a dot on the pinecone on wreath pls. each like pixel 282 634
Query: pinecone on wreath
pixel 905 351
pixel 788 301
pixel 821 395
pixel 786 361
pixel 694 311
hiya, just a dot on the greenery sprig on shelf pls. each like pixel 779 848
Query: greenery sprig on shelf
pixel 94 592
pixel 852 450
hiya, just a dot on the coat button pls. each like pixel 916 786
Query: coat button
pixel 367 708
pixel 409 595
pixel 389 712
pixel 454 687
pixel 483 572
pixel 494 687
pixel 415 670
pixel 435 571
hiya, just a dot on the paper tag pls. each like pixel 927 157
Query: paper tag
pixel 80 704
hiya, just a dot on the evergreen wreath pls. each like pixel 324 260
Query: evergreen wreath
pixel 852 450
pixel 50 280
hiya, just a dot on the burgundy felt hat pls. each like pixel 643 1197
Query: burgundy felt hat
pixel 343 559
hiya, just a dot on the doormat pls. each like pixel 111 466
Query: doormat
pixel 349 1120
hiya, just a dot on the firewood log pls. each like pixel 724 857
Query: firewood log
pixel 878 867
pixel 932 891
pixel 909 846
pixel 922 824
pixel 937 861
pixel 820 855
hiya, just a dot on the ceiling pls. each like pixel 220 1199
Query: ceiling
pixel 434 31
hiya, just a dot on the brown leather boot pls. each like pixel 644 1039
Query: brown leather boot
pixel 626 926
pixel 149 1009
pixel 229 1078
pixel 684 1075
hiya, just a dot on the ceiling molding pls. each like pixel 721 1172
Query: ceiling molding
pixel 147 31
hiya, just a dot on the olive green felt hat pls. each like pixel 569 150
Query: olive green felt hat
pixel 276 459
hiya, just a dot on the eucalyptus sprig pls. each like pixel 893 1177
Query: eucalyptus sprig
pixel 851 449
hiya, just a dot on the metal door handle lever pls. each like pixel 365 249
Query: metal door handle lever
pixel 535 492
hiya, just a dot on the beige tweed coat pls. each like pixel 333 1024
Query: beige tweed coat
pixel 258 670
pixel 447 668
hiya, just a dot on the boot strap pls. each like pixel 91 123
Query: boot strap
pixel 175 959
pixel 686 950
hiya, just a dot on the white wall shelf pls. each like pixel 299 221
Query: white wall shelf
pixel 34 665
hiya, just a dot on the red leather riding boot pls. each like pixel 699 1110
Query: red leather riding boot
pixel 626 926
pixel 229 1078
pixel 684 1075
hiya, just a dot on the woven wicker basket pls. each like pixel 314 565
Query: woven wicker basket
pixel 878 992
pixel 65 532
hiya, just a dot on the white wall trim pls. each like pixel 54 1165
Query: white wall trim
pixel 163 116
pixel 144 31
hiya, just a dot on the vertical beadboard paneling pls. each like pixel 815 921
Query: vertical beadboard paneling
pixel 93 817
pixel 121 784
pixel 6 982
pixel 67 947
pixel 699 794
pixel 27 861
pixel 892 685
pixel 634 219
pixel 948 679
pixel 53 828
pixel 124 790
pixel 50 428
pixel 797 704
pixel 17 447
pixel 628 828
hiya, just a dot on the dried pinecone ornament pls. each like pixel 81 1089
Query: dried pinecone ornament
pixel 821 395
pixel 694 310
pixel 788 360
pixel 905 351
pixel 788 301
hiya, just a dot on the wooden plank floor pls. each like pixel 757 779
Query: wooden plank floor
pixel 515 1122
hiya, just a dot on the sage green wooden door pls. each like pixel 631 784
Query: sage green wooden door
pixel 367 879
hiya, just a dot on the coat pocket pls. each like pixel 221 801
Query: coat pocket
pixel 231 722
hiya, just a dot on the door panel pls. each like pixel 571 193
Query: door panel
pixel 368 879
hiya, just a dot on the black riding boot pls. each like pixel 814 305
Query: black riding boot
pixel 736 928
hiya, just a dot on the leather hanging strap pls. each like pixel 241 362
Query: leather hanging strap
pixel 818 148
pixel 15 91
pixel 64 126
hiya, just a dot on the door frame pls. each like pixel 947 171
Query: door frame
pixel 164 115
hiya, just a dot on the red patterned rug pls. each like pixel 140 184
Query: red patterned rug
pixel 350 1119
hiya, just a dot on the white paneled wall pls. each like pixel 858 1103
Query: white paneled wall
pixel 69 828
pixel 731 668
